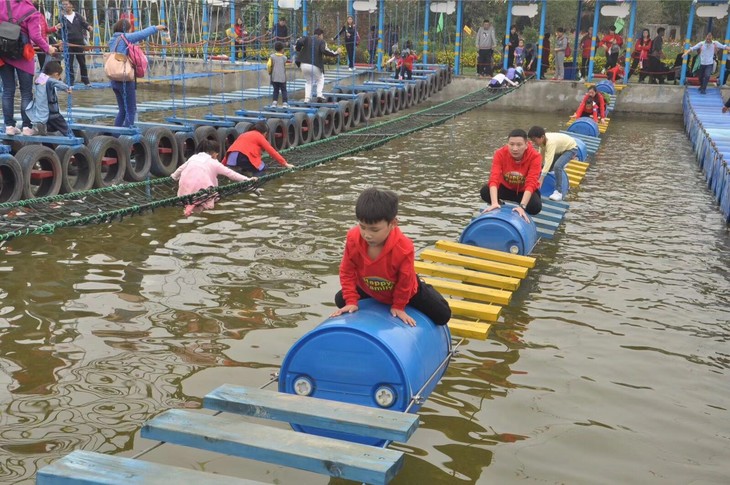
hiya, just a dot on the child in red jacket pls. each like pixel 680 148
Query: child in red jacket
pixel 378 262
pixel 244 155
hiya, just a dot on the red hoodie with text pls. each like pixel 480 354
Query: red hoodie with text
pixel 518 176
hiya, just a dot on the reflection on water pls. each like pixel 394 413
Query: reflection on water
pixel 610 365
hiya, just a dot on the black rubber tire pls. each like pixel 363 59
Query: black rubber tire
pixel 410 95
pixel 366 107
pixel 356 109
pixel 78 169
pixel 397 99
pixel 108 147
pixel 293 132
pixel 163 150
pixel 347 114
pixel 226 138
pixel 139 158
pixel 337 122
pixel 243 126
pixel 317 128
pixel 326 116
pixel 11 179
pixel 186 146
pixel 377 96
pixel 42 159
pixel 83 134
pixel 277 133
pixel 203 132
pixel 303 124
pixel 387 102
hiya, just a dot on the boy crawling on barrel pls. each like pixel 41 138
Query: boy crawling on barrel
pixel 378 262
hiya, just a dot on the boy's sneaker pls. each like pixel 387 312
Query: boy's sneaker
pixel 28 131
pixel 307 100
pixel 40 129
pixel 556 196
pixel 321 100
pixel 11 130
pixel 273 104
pixel 285 105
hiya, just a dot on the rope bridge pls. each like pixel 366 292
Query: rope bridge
pixel 44 215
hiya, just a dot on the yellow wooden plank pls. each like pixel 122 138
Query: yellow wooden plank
pixel 483 253
pixel 465 328
pixel 473 263
pixel 481 311
pixel 575 178
pixel 467 276
pixel 471 292
pixel 578 163
pixel 577 173
pixel 576 168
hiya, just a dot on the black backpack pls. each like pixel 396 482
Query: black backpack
pixel 11 38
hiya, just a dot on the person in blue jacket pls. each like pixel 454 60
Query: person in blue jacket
pixel 126 91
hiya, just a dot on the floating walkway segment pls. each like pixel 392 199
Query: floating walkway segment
pixel 708 129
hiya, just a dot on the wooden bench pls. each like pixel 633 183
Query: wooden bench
pixel 85 467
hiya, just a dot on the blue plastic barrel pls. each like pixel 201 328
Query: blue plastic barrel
pixel 548 184
pixel 369 358
pixel 582 149
pixel 606 86
pixel 585 126
pixel 501 230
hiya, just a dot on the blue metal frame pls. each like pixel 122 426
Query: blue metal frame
pixel 541 38
pixel 630 42
pixel 305 23
pixel 381 26
pixel 687 38
pixel 508 27
pixel 426 19
pixel 457 38
pixel 596 14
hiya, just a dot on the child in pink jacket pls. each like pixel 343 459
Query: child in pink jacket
pixel 200 172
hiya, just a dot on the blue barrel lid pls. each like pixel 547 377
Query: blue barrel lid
pixel 501 230
pixel 582 149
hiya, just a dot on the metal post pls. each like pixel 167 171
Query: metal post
pixel 305 24
pixel 232 10
pixel 457 38
pixel 629 42
pixel 351 8
pixel 163 21
pixel 724 56
pixel 576 43
pixel 205 29
pixel 97 33
pixel 505 54
pixel 381 26
pixel 596 14
pixel 541 38
pixel 276 14
pixel 137 19
pixel 688 37
pixel 426 18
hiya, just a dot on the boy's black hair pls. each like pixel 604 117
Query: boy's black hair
pixel 318 31
pixel 52 67
pixel 261 127
pixel 278 46
pixel 561 30
pixel 209 146
pixel 536 132
pixel 517 132
pixel 660 30
pixel 375 205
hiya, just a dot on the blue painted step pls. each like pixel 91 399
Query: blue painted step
pixel 309 411
pixel 233 436
pixel 85 467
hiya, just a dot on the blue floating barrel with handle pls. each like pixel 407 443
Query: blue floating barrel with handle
pixel 502 230
pixel 369 358
pixel 606 86
pixel 584 126
pixel 582 149
pixel 548 184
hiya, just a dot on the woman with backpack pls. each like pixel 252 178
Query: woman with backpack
pixel 19 59
pixel 126 91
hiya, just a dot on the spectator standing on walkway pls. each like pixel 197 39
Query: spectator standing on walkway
pixel 23 67
pixel 545 55
pixel 612 43
pixel 351 39
pixel 707 49
pixel 561 43
pixel 486 40
pixel 586 47
pixel 514 39
pixel 656 67
pixel 74 28
pixel 640 56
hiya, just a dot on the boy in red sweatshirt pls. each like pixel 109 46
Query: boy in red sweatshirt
pixel 515 176
pixel 378 262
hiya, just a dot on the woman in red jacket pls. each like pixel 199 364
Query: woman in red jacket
pixel 245 153
pixel 593 105
pixel 640 56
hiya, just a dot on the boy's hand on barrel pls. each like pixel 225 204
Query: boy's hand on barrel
pixel 491 208
pixel 521 212
pixel 407 319
pixel 345 309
